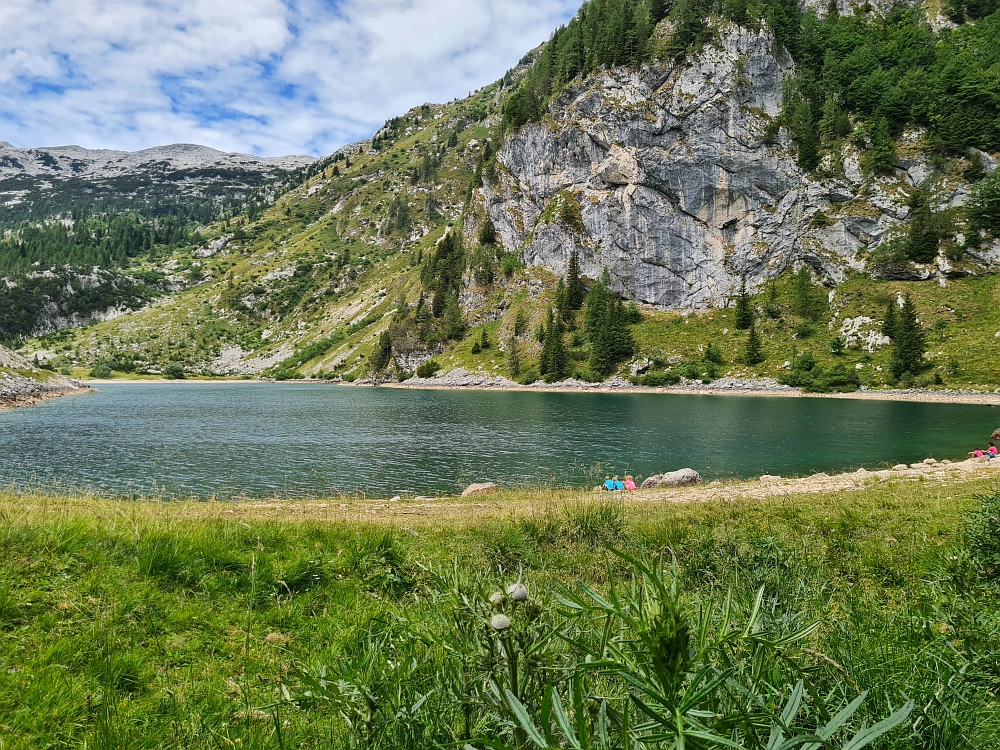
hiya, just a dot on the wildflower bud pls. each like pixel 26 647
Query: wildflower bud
pixel 500 622
pixel 497 599
pixel 517 592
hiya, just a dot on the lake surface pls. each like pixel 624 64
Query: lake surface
pixel 254 440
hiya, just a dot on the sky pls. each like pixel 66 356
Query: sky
pixel 267 77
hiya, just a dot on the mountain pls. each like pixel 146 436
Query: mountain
pixel 76 220
pixel 41 183
pixel 827 165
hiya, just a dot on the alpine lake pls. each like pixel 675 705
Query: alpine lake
pixel 252 440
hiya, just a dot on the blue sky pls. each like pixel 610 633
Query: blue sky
pixel 269 77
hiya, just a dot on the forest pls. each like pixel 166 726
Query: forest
pixel 90 241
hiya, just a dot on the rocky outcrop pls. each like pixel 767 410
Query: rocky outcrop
pixel 22 384
pixel 476 490
pixel 679 478
pixel 676 178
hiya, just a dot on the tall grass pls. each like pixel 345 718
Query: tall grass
pixel 187 626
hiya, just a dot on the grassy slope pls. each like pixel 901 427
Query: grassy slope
pixel 133 625
pixel 311 229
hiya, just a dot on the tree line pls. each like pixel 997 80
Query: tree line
pixel 90 241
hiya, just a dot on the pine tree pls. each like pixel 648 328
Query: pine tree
pixel 805 302
pixel 574 283
pixel 382 354
pixel 744 308
pixel 753 352
pixel 453 327
pixel 881 156
pixel 772 307
pixel 889 324
pixel 909 342
pixel 561 302
pixel 596 312
pixel 554 362
pixel 922 242
pixel 513 357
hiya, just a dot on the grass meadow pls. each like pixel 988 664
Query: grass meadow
pixel 737 623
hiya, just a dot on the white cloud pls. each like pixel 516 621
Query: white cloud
pixel 262 76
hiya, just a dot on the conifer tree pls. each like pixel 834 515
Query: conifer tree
pixel 513 357
pixel 453 327
pixel 922 242
pixel 889 324
pixel 554 362
pixel 561 302
pixel 909 342
pixel 744 308
pixel 382 354
pixel 753 352
pixel 574 283
pixel 772 306
pixel 806 302
pixel 881 156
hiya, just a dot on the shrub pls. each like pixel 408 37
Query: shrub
pixel 660 379
pixel 174 371
pixel 528 376
pixel 101 370
pixel 428 368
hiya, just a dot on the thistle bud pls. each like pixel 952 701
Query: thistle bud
pixel 517 592
pixel 497 599
pixel 500 622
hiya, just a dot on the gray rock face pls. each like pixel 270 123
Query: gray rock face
pixel 679 478
pixel 681 186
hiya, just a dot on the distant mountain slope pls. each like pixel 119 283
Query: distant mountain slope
pixel 177 180
pixel 62 162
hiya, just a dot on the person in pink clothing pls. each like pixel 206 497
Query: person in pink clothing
pixel 992 451
pixel 630 483
pixel 977 453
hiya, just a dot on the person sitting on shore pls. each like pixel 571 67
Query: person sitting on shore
pixel 977 453
pixel 992 452
pixel 630 483
pixel 609 484
pixel 618 485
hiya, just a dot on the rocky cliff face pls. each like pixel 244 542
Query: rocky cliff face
pixel 669 177
pixel 22 384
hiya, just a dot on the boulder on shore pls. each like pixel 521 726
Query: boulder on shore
pixel 485 488
pixel 996 434
pixel 680 478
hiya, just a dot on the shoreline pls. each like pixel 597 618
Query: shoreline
pixel 501 502
pixel 463 381
pixel 16 401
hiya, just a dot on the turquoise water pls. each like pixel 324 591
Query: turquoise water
pixel 254 440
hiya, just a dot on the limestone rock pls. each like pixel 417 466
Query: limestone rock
pixel 474 490
pixel 683 189
pixel 900 467
pixel 680 478
pixel 995 435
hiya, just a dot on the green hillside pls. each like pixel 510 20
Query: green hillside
pixel 364 268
